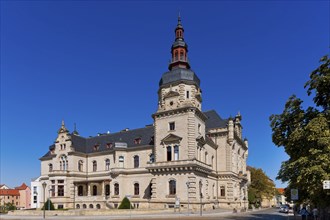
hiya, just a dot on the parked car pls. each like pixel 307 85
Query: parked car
pixel 286 209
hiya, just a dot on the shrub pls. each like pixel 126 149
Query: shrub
pixel 51 205
pixel 125 204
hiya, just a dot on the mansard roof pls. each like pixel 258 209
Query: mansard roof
pixel 214 120
pixel 133 138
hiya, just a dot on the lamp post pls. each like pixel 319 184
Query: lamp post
pixel 187 183
pixel 44 184
pixel 201 196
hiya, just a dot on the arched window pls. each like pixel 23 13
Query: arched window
pixel 77 206
pixel 212 161
pixel 98 206
pixel 181 55
pixel 84 206
pixel 94 190
pixel 172 187
pixel 121 161
pixel 176 55
pixel 94 166
pixel 136 161
pixel 116 186
pixel 151 158
pixel 169 153
pixel 176 152
pixel 136 189
pixel 107 190
pixel 80 190
pixel 50 167
pixel 107 164
pixel 80 165
pixel 91 206
pixel 64 162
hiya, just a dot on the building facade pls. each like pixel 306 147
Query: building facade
pixel 186 156
pixel 19 196
pixel 36 193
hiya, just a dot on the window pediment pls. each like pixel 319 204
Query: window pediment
pixel 171 138
pixel 201 141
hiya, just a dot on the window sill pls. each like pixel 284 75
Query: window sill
pixel 171 196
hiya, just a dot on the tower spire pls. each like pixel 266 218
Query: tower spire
pixel 179 48
pixel 63 129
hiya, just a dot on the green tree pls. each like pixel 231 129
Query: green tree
pixel 261 187
pixel 305 136
pixel 125 204
pixel 9 206
pixel 49 205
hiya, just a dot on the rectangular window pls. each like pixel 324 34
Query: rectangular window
pixel 222 191
pixel 34 190
pixel 53 190
pixel 60 190
pixel 60 181
pixel 34 199
pixel 187 94
pixel 60 207
pixel 172 126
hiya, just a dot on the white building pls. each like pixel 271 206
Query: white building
pixel 186 154
pixel 36 193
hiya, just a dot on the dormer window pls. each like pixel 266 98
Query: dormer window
pixel 96 147
pixel 137 141
pixel 109 145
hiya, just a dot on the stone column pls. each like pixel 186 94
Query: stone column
pixel 102 191
pixel 88 189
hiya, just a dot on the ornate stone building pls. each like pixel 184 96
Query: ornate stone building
pixel 186 156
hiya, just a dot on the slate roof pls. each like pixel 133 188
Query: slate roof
pixel 214 120
pixel 178 75
pixel 86 145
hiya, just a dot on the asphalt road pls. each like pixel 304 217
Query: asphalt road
pixel 267 214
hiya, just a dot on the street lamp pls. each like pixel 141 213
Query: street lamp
pixel 44 184
pixel 201 196
pixel 187 183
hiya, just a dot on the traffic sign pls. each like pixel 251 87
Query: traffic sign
pixel 294 194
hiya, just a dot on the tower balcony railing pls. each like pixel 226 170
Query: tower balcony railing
pixel 174 60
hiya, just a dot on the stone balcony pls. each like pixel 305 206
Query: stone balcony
pixel 179 165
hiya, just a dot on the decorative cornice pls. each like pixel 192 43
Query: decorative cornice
pixel 180 110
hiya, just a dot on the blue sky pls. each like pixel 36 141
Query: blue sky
pixel 98 64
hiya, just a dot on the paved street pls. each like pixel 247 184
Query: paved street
pixel 270 214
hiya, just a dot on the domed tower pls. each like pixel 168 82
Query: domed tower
pixel 179 121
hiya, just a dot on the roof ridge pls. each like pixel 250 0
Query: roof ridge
pixel 119 132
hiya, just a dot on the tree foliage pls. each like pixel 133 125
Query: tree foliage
pixel 261 186
pixel 125 204
pixel 305 136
